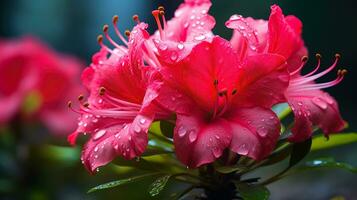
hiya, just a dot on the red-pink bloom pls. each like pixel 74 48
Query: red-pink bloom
pixel 28 67
pixel 121 104
pixel 282 35
pixel 222 103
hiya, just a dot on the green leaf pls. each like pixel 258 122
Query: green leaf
pixel 282 110
pixel 120 182
pixel 335 140
pixel 278 155
pixel 158 185
pixel 326 163
pixel 167 128
pixel 229 169
pixel 253 192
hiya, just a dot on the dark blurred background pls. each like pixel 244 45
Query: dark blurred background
pixel 72 26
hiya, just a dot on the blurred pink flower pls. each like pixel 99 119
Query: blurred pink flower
pixel 35 82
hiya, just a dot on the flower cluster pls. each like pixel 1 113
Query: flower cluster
pixel 34 83
pixel 219 93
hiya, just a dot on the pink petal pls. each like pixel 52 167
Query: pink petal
pixel 313 107
pixel 255 131
pixel 198 142
pixel 195 76
pixel 284 33
pixel 263 80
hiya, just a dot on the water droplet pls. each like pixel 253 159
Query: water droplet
pixel 100 101
pixel 192 17
pixel 243 149
pixel 200 37
pixel 300 103
pixel 99 134
pixel 85 124
pixel 173 98
pixel 320 103
pixel 202 23
pixel 262 131
pixel 142 121
pixel 253 47
pixel 96 156
pixel 203 11
pixel 182 131
pixel 129 138
pixel 173 56
pixel 235 17
pixel 116 147
pixel 80 123
pixel 263 120
pixel 217 137
pixel 137 129
pixel 163 47
pixel 186 25
pixel 216 152
pixel 192 136
pixel 96 149
pixel 95 120
pixel 180 46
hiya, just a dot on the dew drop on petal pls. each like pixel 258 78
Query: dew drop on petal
pixel 320 103
pixel 96 149
pixel 262 131
pixel 182 131
pixel 216 152
pixel 173 56
pixel 192 136
pixel 200 37
pixel 99 134
pixel 142 121
pixel 180 46
pixel 137 128
pixel 243 149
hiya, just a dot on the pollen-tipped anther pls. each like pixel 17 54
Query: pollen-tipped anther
pixel 80 97
pixel 337 56
pixel 318 56
pixel 115 19
pixel 100 39
pixel 304 58
pixel 127 33
pixel 136 18
pixel 101 91
pixel 234 91
pixel 69 104
pixel 161 8
pixel 105 28
pixel 86 104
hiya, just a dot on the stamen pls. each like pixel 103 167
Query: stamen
pixel 162 14
pixel 318 57
pixel 234 91
pixel 100 41
pixel 105 31
pixel 216 103
pixel 304 59
pixel 306 79
pixel 225 106
pixel 69 104
pixel 115 21
pixel 86 104
pixel 156 13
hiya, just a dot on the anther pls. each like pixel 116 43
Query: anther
pixel 115 19
pixel 304 58
pixel 222 92
pixel 162 13
pixel 80 97
pixel 101 91
pixel 337 56
pixel 86 104
pixel 161 8
pixel 342 72
pixel 100 39
pixel 318 56
pixel 136 18
pixel 234 91
pixel 105 28
pixel 69 104
pixel 215 82
pixel 127 33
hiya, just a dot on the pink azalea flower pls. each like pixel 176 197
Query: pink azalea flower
pixel 223 103
pixel 121 105
pixel 282 35
pixel 28 67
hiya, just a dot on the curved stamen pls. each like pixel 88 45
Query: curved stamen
pixel 115 21
pixel 100 42
pixel 302 80
pixel 105 31
pixel 322 85
pixel 156 14
pixel 224 94
pixel 304 60
pixel 318 57
pixel 136 18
